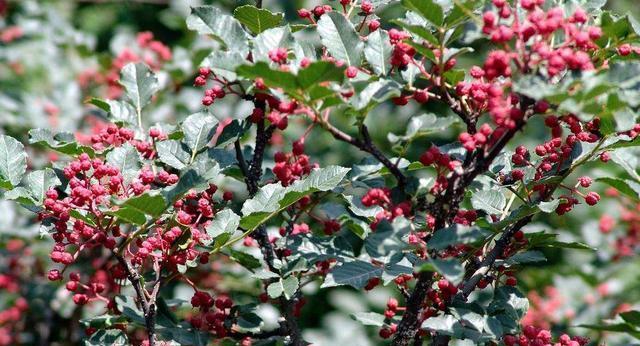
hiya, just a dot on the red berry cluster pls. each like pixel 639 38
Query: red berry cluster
pixel 216 91
pixel 278 55
pixel 382 197
pixel 212 312
pixel 443 164
pixel 534 336
pixel 292 166
pixel 535 30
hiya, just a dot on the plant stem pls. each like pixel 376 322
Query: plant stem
pixel 147 301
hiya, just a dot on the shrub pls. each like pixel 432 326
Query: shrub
pixel 138 206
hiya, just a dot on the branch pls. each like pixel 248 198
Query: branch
pixel 148 304
pixel 253 174
pixel 366 144
pixel 444 209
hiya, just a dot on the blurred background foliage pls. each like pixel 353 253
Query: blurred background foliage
pixel 49 71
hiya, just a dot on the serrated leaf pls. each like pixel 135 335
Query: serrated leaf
pixel 224 63
pixel 225 221
pixel 127 160
pixel 510 301
pixel 13 162
pixel 103 321
pixel 318 72
pixel 526 257
pixel 269 40
pixel 199 129
pixel 118 110
pixel 173 153
pixel 244 259
pixel 388 239
pixel 287 287
pixel 38 182
pixel 378 52
pixel 422 125
pixel 340 37
pixel 273 198
pixel 631 317
pixel 63 142
pixel 248 321
pixel 490 201
pixel 355 274
pixel 136 209
pixel 626 186
pixel 209 20
pixel 369 318
pixel 428 9
pixel 257 19
pixel 230 133
pixel 454 234
pixel 272 78
pixel 107 337
pixel 443 324
pixel 627 158
pixel 450 268
pixel 375 92
pixel 140 84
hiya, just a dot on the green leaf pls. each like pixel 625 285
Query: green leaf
pixel 257 19
pixel 388 239
pixel 318 72
pixel 355 274
pixel 107 337
pixel 225 221
pixel 509 301
pixel 428 9
pixel 631 317
pixel 189 179
pixel 119 110
pixel 230 133
pixel 369 318
pixel 224 63
pixel 38 182
pixel 626 186
pixel 543 239
pixel 269 40
pixel 62 142
pixel 127 160
pixel 375 93
pixel 173 153
pixel 136 209
pixel 420 31
pixel 422 125
pixel 244 259
pixel 378 52
pixel 139 83
pixel 273 198
pixel 340 37
pixel 450 268
pixel 103 321
pixel 248 321
pixel 272 78
pixel 199 129
pixel 612 326
pixel 455 234
pixel 209 20
pixel 490 201
pixel 627 158
pixel 443 324
pixel 526 257
pixel 287 287
pixel 13 162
